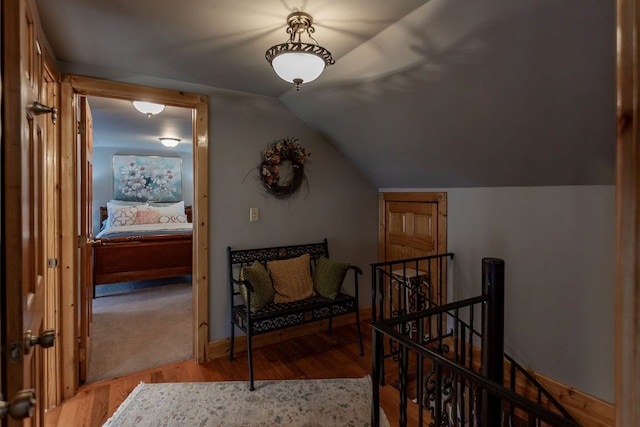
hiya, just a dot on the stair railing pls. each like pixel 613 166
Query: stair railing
pixel 455 387
pixel 406 286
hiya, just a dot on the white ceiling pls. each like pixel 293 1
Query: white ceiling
pixel 435 93
pixel 116 123
pixel 218 43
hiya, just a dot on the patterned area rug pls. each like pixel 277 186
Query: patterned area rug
pixel 308 403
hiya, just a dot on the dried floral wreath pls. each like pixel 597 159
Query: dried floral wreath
pixel 275 153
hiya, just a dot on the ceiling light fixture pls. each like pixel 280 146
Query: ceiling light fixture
pixel 148 108
pixel 295 61
pixel 169 142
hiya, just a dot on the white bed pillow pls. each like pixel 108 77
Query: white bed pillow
pixel 170 213
pixel 119 215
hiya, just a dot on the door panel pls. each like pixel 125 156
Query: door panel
pixel 24 132
pixel 412 230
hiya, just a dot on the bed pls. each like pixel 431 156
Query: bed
pixel 141 242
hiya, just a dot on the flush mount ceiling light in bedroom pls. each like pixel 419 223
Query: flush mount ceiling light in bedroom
pixel 170 142
pixel 148 108
pixel 296 61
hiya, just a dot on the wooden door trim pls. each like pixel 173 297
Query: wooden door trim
pixel 627 289
pixel 78 85
pixel 51 232
pixel 429 197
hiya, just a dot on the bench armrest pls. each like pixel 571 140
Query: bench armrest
pixel 356 272
pixel 355 268
pixel 244 283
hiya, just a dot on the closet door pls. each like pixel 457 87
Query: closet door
pixel 27 128
pixel 413 225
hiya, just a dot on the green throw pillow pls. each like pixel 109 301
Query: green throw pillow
pixel 259 278
pixel 328 277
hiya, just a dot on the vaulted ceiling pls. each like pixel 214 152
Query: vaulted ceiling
pixel 439 93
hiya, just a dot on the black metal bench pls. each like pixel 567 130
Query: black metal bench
pixel 283 315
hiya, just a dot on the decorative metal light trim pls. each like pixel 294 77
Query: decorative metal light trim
pixel 300 23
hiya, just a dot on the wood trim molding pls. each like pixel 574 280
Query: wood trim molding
pixel 627 290
pixel 220 348
pixel 72 86
pixel 68 245
pixel 588 411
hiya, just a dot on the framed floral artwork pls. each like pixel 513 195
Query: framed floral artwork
pixel 147 178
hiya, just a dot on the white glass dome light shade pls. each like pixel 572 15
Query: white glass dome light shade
pixel 295 61
pixel 170 142
pixel 290 66
pixel 148 108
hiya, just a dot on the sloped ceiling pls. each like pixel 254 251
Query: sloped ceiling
pixel 444 93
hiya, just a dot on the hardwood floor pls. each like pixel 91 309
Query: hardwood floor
pixel 314 356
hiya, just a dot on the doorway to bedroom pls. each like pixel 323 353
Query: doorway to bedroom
pixel 138 304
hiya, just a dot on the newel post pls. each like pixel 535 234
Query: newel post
pixel 492 337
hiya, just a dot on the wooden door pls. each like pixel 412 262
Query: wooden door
pixel 24 134
pixel 627 290
pixel 413 225
pixel 85 149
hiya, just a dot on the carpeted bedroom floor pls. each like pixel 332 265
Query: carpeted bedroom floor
pixel 140 325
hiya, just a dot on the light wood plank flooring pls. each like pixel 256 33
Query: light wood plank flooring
pixel 315 356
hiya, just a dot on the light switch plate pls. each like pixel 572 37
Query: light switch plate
pixel 254 214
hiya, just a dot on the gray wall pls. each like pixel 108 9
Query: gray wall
pixel 103 175
pixel 340 204
pixel 558 244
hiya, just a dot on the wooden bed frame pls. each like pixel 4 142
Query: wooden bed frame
pixel 124 259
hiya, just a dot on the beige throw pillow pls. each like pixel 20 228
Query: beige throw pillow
pixel 291 279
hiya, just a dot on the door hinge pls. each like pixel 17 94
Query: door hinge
pixel 81 351
pixel 81 128
pixel 15 352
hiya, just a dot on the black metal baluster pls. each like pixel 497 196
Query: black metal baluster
pixel 438 394
pixel 471 326
pixel 420 391
pixel 462 380
pixel 456 358
pixel 403 368
pixel 440 274
pixel 376 354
